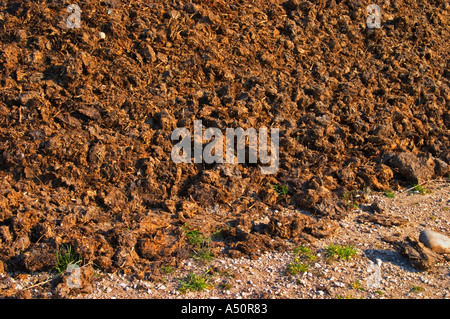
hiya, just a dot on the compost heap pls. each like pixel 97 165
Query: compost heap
pixel 87 115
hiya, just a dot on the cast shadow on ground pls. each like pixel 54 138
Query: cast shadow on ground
pixel 390 256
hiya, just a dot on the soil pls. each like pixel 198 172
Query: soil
pixel 86 120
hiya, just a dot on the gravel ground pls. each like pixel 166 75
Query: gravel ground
pixel 376 271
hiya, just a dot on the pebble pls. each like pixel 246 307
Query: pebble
pixel 102 35
pixel 123 285
pixel 435 241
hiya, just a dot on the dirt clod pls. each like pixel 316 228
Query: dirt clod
pixel 420 256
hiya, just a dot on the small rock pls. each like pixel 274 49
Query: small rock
pixel 102 35
pixel 123 284
pixel 435 241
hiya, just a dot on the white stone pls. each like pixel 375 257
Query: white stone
pixel 435 241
